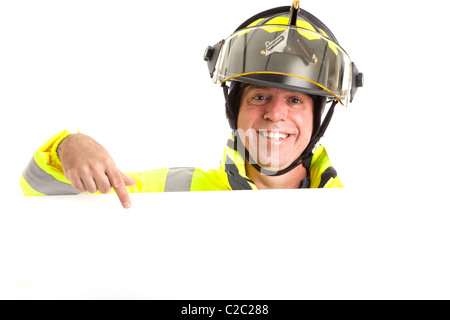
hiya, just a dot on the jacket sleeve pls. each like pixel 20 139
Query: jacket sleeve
pixel 44 175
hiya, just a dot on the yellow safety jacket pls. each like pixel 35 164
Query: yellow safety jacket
pixel 44 174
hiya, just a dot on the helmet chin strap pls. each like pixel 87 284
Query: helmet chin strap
pixel 306 154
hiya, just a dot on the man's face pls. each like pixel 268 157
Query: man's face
pixel 275 125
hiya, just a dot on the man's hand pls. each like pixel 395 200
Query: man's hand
pixel 89 167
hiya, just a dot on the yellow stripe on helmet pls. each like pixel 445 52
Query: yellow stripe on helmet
pixel 275 25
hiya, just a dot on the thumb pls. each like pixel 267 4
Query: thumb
pixel 128 180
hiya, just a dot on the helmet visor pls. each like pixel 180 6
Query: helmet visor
pixel 286 57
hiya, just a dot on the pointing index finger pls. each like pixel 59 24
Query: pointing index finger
pixel 118 184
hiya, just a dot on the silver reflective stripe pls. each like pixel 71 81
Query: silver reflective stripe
pixel 179 179
pixel 44 183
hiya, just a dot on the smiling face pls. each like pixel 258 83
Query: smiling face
pixel 275 125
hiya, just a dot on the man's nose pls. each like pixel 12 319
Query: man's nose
pixel 276 110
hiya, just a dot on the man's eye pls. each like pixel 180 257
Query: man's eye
pixel 259 98
pixel 296 101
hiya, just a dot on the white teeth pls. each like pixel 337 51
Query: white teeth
pixel 273 135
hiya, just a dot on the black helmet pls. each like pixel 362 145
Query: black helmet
pixel 290 49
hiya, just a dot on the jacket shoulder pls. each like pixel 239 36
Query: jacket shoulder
pixel 322 173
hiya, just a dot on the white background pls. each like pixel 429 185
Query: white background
pixel 131 75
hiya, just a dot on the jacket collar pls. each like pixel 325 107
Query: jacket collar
pixel 318 167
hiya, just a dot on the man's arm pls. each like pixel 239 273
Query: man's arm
pixel 73 163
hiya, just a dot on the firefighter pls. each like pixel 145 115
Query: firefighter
pixel 280 71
